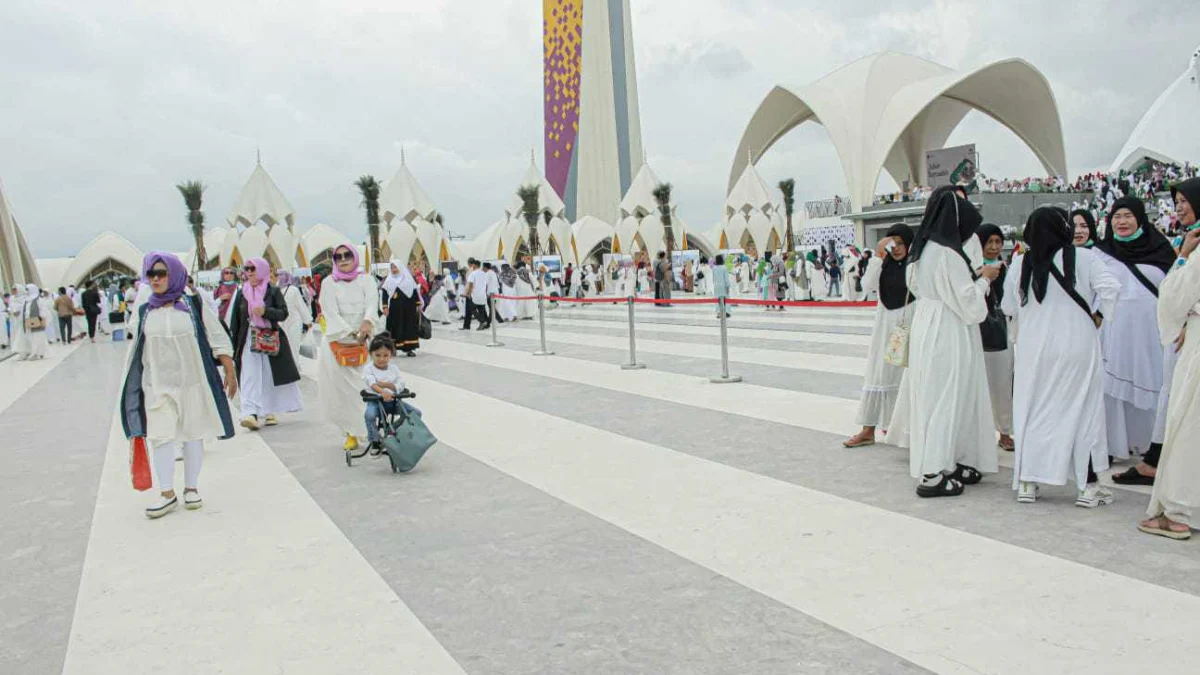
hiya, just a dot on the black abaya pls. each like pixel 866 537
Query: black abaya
pixel 404 321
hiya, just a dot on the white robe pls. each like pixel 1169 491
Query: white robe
pixel 299 316
pixel 179 402
pixel 345 305
pixel 1177 483
pixel 1058 395
pixel 437 310
pixel 1133 361
pixel 881 382
pixel 945 416
pixel 643 280
pixel 32 344
pixel 507 309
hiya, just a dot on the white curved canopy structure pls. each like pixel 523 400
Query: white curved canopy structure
pixel 17 265
pixel 260 208
pixel 107 252
pixel 884 111
pixel 548 199
pixel 750 211
pixel 261 199
pixel 1166 133
pixel 586 234
pixel 403 198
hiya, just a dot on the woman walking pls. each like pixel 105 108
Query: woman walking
pixel 946 413
pixel 173 396
pixel 885 273
pixel 348 303
pixel 267 372
pixel 402 307
pixel 36 314
pixel 1059 391
pixel 299 313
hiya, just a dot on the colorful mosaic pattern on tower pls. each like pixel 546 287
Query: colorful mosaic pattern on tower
pixel 563 50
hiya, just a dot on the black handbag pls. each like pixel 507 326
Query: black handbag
pixel 994 331
pixel 426 330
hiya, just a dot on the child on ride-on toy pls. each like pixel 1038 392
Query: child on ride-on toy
pixel 382 377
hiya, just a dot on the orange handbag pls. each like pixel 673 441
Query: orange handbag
pixel 349 356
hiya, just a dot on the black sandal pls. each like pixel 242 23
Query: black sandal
pixel 1132 476
pixel 967 475
pixel 948 486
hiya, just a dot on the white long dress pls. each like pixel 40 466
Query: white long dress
pixel 526 309
pixel 32 344
pixel 643 280
pixel 881 382
pixel 1177 483
pixel 179 402
pixel 945 416
pixel 299 316
pixel 1058 394
pixel 345 305
pixel 437 310
pixel 1133 361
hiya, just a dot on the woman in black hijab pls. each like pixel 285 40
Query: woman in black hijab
pixel 943 413
pixel 997 357
pixel 1059 376
pixel 1085 228
pixel 1139 256
pixel 884 272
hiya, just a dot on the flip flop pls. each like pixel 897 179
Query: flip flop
pixel 1131 476
pixel 1161 528
pixel 861 443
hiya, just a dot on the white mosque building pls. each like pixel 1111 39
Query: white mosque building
pixel 1166 132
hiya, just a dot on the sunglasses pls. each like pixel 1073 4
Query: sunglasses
pixel 248 268
pixel 157 274
pixel 343 256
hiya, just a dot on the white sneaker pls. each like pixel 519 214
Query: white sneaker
pixel 1094 495
pixel 192 501
pixel 1027 492
pixel 162 507
pixel 251 423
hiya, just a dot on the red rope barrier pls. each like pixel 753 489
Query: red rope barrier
pixel 694 301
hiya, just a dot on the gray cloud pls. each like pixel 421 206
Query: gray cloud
pixel 108 104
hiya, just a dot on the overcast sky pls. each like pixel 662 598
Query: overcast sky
pixel 108 103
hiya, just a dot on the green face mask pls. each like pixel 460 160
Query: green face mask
pixel 1131 237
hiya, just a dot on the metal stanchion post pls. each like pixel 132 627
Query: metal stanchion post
pixel 725 377
pixel 492 306
pixel 542 326
pixel 633 362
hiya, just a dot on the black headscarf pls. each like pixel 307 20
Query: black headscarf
pixel 1150 248
pixel 1190 189
pixel 984 232
pixel 893 288
pixel 1091 226
pixel 949 220
pixel 1047 231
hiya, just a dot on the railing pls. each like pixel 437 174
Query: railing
pixel 828 208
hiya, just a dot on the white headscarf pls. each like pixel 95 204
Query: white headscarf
pixel 402 280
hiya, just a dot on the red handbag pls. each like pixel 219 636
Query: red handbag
pixel 139 464
pixel 264 341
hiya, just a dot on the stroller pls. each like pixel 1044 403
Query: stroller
pixel 404 438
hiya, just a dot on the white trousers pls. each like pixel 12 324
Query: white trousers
pixel 164 463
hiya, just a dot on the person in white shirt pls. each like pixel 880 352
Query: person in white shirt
pixel 476 295
pixel 493 288
pixel 382 377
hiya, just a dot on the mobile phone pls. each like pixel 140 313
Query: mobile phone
pixel 889 246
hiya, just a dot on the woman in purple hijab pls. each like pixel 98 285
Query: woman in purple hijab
pixel 173 396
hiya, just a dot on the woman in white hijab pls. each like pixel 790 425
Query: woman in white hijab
pixel 402 308
pixel 438 308
pixel 31 328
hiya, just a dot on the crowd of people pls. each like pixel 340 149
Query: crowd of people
pixel 1074 356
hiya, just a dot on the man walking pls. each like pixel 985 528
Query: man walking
pixel 663 278
pixel 476 295
pixel 91 308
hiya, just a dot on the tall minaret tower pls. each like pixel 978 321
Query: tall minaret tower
pixel 593 133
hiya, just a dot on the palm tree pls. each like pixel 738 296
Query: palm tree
pixel 193 198
pixel 369 188
pixel 662 195
pixel 531 210
pixel 788 188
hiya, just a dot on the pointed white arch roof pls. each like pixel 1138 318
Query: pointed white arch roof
pixel 17 264
pixel 547 197
pixel 105 246
pixel 640 196
pixel 404 199
pixel 1167 131
pixel 885 110
pixel 261 200
pixel 749 192
pixel 586 233
pixel 318 238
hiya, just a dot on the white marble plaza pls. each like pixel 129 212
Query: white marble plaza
pixel 575 518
